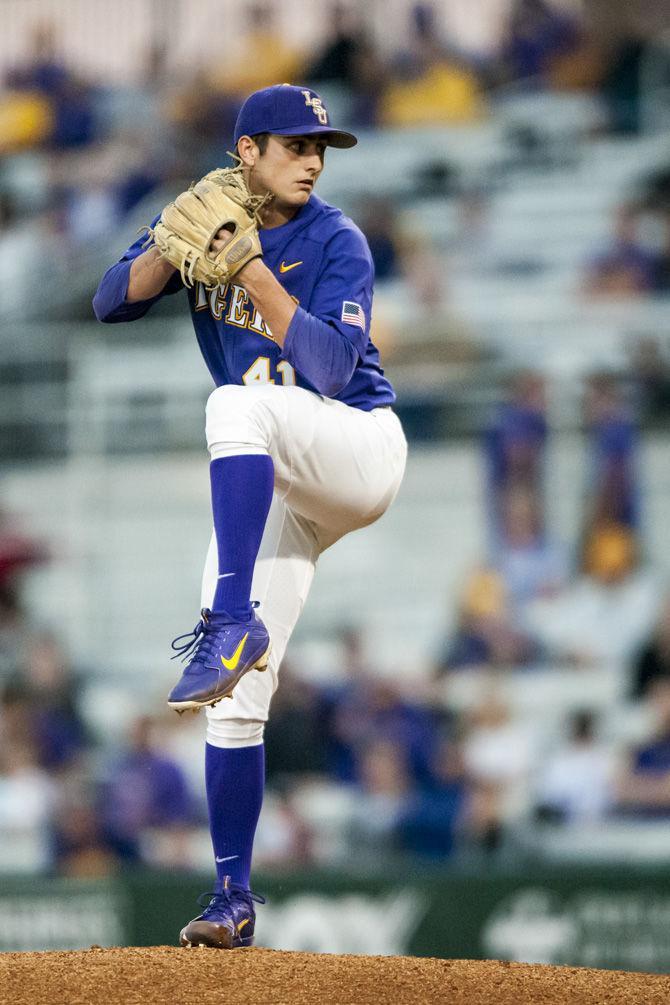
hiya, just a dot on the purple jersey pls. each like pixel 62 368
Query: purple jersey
pixel 322 260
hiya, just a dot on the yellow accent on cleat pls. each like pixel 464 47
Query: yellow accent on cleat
pixel 231 664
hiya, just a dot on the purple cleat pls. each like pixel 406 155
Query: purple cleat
pixel 221 651
pixel 227 922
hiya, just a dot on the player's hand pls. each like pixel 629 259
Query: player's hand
pixel 183 233
pixel 223 237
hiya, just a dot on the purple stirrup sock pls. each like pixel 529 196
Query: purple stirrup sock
pixel 242 488
pixel 235 778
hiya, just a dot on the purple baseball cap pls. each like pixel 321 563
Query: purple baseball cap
pixel 287 110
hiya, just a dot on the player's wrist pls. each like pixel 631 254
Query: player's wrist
pixel 253 269
pixel 148 276
pixel 153 263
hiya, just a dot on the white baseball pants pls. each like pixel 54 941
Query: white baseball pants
pixel 337 469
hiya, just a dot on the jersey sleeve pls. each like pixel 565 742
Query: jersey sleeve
pixel 326 342
pixel 343 293
pixel 109 302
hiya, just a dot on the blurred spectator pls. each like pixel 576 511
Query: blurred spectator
pixel 538 35
pixel 203 116
pixel 140 179
pixel 74 116
pixel 471 245
pixel 27 797
pixel 181 743
pixel 282 838
pixel 71 100
pixel 650 376
pixel 144 789
pixel 370 77
pixel 515 448
pixel 18 552
pixel 627 268
pixel 485 827
pixel 52 690
pixel 94 194
pixel 378 222
pixel 90 211
pixel 576 780
pixel 429 85
pixel 432 817
pixel 602 618
pixel 293 741
pixel 498 755
pixel 22 242
pixel 264 58
pixel 423 272
pixel 16 720
pixel 423 46
pixel 613 485
pixel 486 634
pixel 81 849
pixel 531 564
pixel 367 708
pixel 652 662
pixel 44 70
pixel 644 785
pixel 383 789
pixel 353 657
pixel 621 85
pixel 653 206
pixel 26 120
pixel 655 195
pixel 339 58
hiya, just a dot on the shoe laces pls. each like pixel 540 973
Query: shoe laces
pixel 199 642
pixel 224 898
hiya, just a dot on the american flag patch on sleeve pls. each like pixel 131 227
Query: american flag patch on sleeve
pixel 353 314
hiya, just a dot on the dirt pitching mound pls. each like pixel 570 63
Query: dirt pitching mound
pixel 164 974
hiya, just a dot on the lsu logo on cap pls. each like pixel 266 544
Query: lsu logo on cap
pixel 315 104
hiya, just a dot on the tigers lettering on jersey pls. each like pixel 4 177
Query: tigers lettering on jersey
pixel 230 302
pixel 323 262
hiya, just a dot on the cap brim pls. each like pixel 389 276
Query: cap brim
pixel 336 137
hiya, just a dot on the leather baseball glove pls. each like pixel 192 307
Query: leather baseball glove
pixel 187 227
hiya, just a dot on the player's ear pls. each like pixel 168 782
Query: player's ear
pixel 247 151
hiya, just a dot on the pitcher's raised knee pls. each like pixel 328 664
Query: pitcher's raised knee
pixel 244 416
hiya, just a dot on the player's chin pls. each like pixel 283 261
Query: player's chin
pixel 300 196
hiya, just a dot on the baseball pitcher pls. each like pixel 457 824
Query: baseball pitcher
pixel 303 441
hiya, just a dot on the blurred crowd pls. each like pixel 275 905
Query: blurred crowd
pixel 636 261
pixel 374 765
pixel 377 765
pixel 95 150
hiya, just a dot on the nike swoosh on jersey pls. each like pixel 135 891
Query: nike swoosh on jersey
pixel 231 663
pixel 287 268
pixel 226 858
